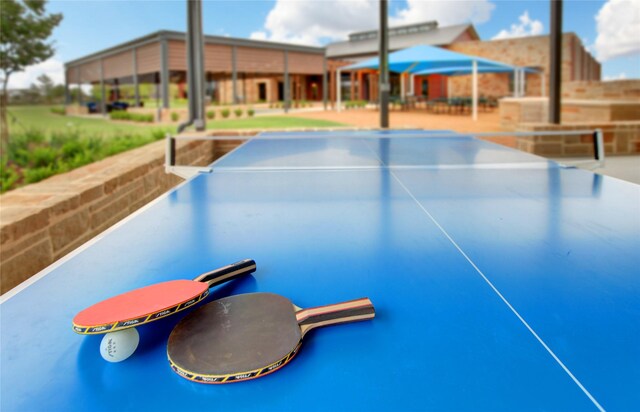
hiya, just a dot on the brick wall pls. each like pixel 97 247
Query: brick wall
pixel 42 222
pixel 533 51
pixel 247 88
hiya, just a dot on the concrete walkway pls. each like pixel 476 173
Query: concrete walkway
pixel 621 167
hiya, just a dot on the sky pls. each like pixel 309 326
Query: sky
pixel 610 29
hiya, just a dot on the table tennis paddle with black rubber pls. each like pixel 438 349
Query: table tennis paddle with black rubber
pixel 248 336
pixel 154 302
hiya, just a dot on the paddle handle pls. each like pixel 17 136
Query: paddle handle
pixel 227 273
pixel 351 311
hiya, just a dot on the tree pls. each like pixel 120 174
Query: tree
pixel 25 27
pixel 46 87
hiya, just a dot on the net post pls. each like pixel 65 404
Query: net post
pixel 170 153
pixel 598 146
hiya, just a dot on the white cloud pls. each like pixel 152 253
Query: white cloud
pixel 446 13
pixel 618 26
pixel 526 27
pixel 52 67
pixel 619 76
pixel 258 35
pixel 316 22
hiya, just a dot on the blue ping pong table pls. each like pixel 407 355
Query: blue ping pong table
pixel 501 281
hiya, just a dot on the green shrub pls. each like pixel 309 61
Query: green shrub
pixel 119 115
pixel 42 156
pixel 38 174
pixel 238 112
pixel 58 110
pixel 31 156
pixel 211 115
pixel 175 116
pixel 134 117
pixel 141 117
pixel 9 176
pixel 225 113
pixel 71 149
pixel 250 112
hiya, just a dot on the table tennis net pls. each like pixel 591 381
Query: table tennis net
pixel 397 149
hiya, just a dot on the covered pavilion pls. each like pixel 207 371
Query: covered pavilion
pixel 425 60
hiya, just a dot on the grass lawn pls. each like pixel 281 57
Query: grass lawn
pixel 269 122
pixel 27 118
pixel 42 144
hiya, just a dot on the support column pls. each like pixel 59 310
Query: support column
pixel 164 73
pixel 136 86
pixel 103 109
pixel 475 90
pixel 338 90
pixel 372 79
pixel 80 93
pixel 352 83
pixel 360 86
pixel 67 95
pixel 555 64
pixel 324 82
pixel 384 87
pixel 515 83
pixel 332 86
pixel 287 91
pixel 412 84
pixel 234 76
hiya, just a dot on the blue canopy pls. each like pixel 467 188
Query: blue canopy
pixel 461 71
pixel 420 58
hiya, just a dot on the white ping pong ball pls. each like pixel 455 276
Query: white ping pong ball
pixel 118 346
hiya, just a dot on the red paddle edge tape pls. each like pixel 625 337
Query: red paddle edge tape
pixel 130 323
pixel 236 377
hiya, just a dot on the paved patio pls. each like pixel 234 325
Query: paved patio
pixel 419 119
pixel 621 167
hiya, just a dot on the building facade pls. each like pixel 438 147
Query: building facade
pixel 237 70
pixel 250 71
pixel 530 52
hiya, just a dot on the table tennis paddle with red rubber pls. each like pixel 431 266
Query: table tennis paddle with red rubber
pixel 248 336
pixel 154 302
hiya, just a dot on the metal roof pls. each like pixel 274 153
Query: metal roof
pixel 439 36
pixel 208 39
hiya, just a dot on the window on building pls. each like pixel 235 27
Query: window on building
pixel 262 92
pixel 424 89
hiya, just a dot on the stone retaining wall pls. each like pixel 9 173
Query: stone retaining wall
pixel 607 90
pixel 44 221
pixel 515 111
pixel 619 138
